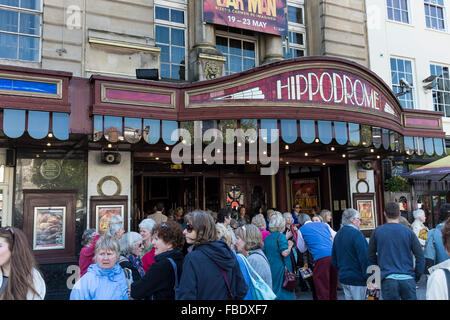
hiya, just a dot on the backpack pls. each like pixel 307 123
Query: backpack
pixel 176 288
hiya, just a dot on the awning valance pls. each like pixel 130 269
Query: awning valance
pixel 132 130
pixel 36 123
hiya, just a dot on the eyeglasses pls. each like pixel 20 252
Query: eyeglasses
pixel 189 228
pixel 296 207
pixel 10 229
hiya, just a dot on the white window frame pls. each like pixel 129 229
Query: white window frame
pixel 297 28
pixel 435 89
pixel 181 6
pixel 408 3
pixel 415 84
pixel 240 37
pixel 444 15
pixel 25 10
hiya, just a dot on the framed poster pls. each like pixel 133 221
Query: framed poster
pixel 49 224
pixel 364 203
pixel 103 208
pixel 104 213
pixel 305 192
pixel 49 230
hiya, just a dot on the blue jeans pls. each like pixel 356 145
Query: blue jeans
pixel 398 289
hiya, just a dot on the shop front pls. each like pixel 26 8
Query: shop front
pixel 308 131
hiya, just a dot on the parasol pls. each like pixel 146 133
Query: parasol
pixel 437 170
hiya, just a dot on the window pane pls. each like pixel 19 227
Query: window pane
pixel 177 72
pixel 9 20
pixel 235 47
pixel 165 53
pixel 177 55
pixel 165 70
pixel 177 37
pixel 8 46
pixel 162 13
pixel 177 16
pixel 28 48
pixel 29 23
pixel 12 3
pixel 295 15
pixel 249 49
pixel 235 64
pixel 162 34
pixel 249 63
pixel 31 4
pixel 222 44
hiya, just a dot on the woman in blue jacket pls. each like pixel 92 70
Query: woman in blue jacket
pixel 104 280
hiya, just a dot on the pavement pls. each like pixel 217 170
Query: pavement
pixel 421 290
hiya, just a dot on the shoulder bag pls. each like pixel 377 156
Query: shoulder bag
pixel 259 288
pixel 289 278
pixel 176 286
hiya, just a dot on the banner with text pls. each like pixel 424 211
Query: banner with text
pixel 267 16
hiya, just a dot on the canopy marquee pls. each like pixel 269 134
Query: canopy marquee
pixel 311 100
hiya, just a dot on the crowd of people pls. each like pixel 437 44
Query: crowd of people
pixel 238 256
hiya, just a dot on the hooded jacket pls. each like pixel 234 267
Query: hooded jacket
pixel 101 284
pixel 202 278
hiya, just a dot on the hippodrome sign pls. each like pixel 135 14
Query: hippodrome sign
pixel 305 87
pixel 267 16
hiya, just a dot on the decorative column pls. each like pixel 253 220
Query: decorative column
pixel 205 61
pixel 281 190
pixel 273 49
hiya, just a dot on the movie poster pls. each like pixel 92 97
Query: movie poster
pixel 104 215
pixel 49 228
pixel 305 192
pixel 267 16
pixel 367 214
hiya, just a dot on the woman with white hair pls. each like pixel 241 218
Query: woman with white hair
pixel 419 228
pixel 148 252
pixel 260 222
pixel 130 254
pixel 115 229
pixel 104 280
pixel 277 250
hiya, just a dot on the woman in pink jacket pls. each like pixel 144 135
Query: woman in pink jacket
pixel 89 240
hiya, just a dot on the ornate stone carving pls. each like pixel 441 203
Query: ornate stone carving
pixel 212 70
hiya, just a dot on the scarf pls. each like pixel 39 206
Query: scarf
pixel 137 263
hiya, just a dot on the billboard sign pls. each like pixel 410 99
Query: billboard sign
pixel 266 16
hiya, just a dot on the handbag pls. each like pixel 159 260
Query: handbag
pixel 176 288
pixel 259 288
pixel 289 278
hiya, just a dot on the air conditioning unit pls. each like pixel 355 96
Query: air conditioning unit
pixel 366 165
pixel 110 157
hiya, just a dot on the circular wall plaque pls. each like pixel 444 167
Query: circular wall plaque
pixel 50 169
pixel 109 179
pixel 364 182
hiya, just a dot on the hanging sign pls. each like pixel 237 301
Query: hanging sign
pixel 267 16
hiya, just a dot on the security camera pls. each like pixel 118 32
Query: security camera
pixel 405 83
pixel 430 86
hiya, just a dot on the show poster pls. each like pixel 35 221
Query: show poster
pixel 104 215
pixel 49 228
pixel 266 16
pixel 305 193
pixel 367 214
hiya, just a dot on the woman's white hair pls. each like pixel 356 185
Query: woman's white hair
pixel 277 222
pixel 259 221
pixel 418 213
pixel 107 243
pixel 348 215
pixel 128 241
pixel 148 224
pixel 115 225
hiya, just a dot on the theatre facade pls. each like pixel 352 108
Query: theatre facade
pixel 78 150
